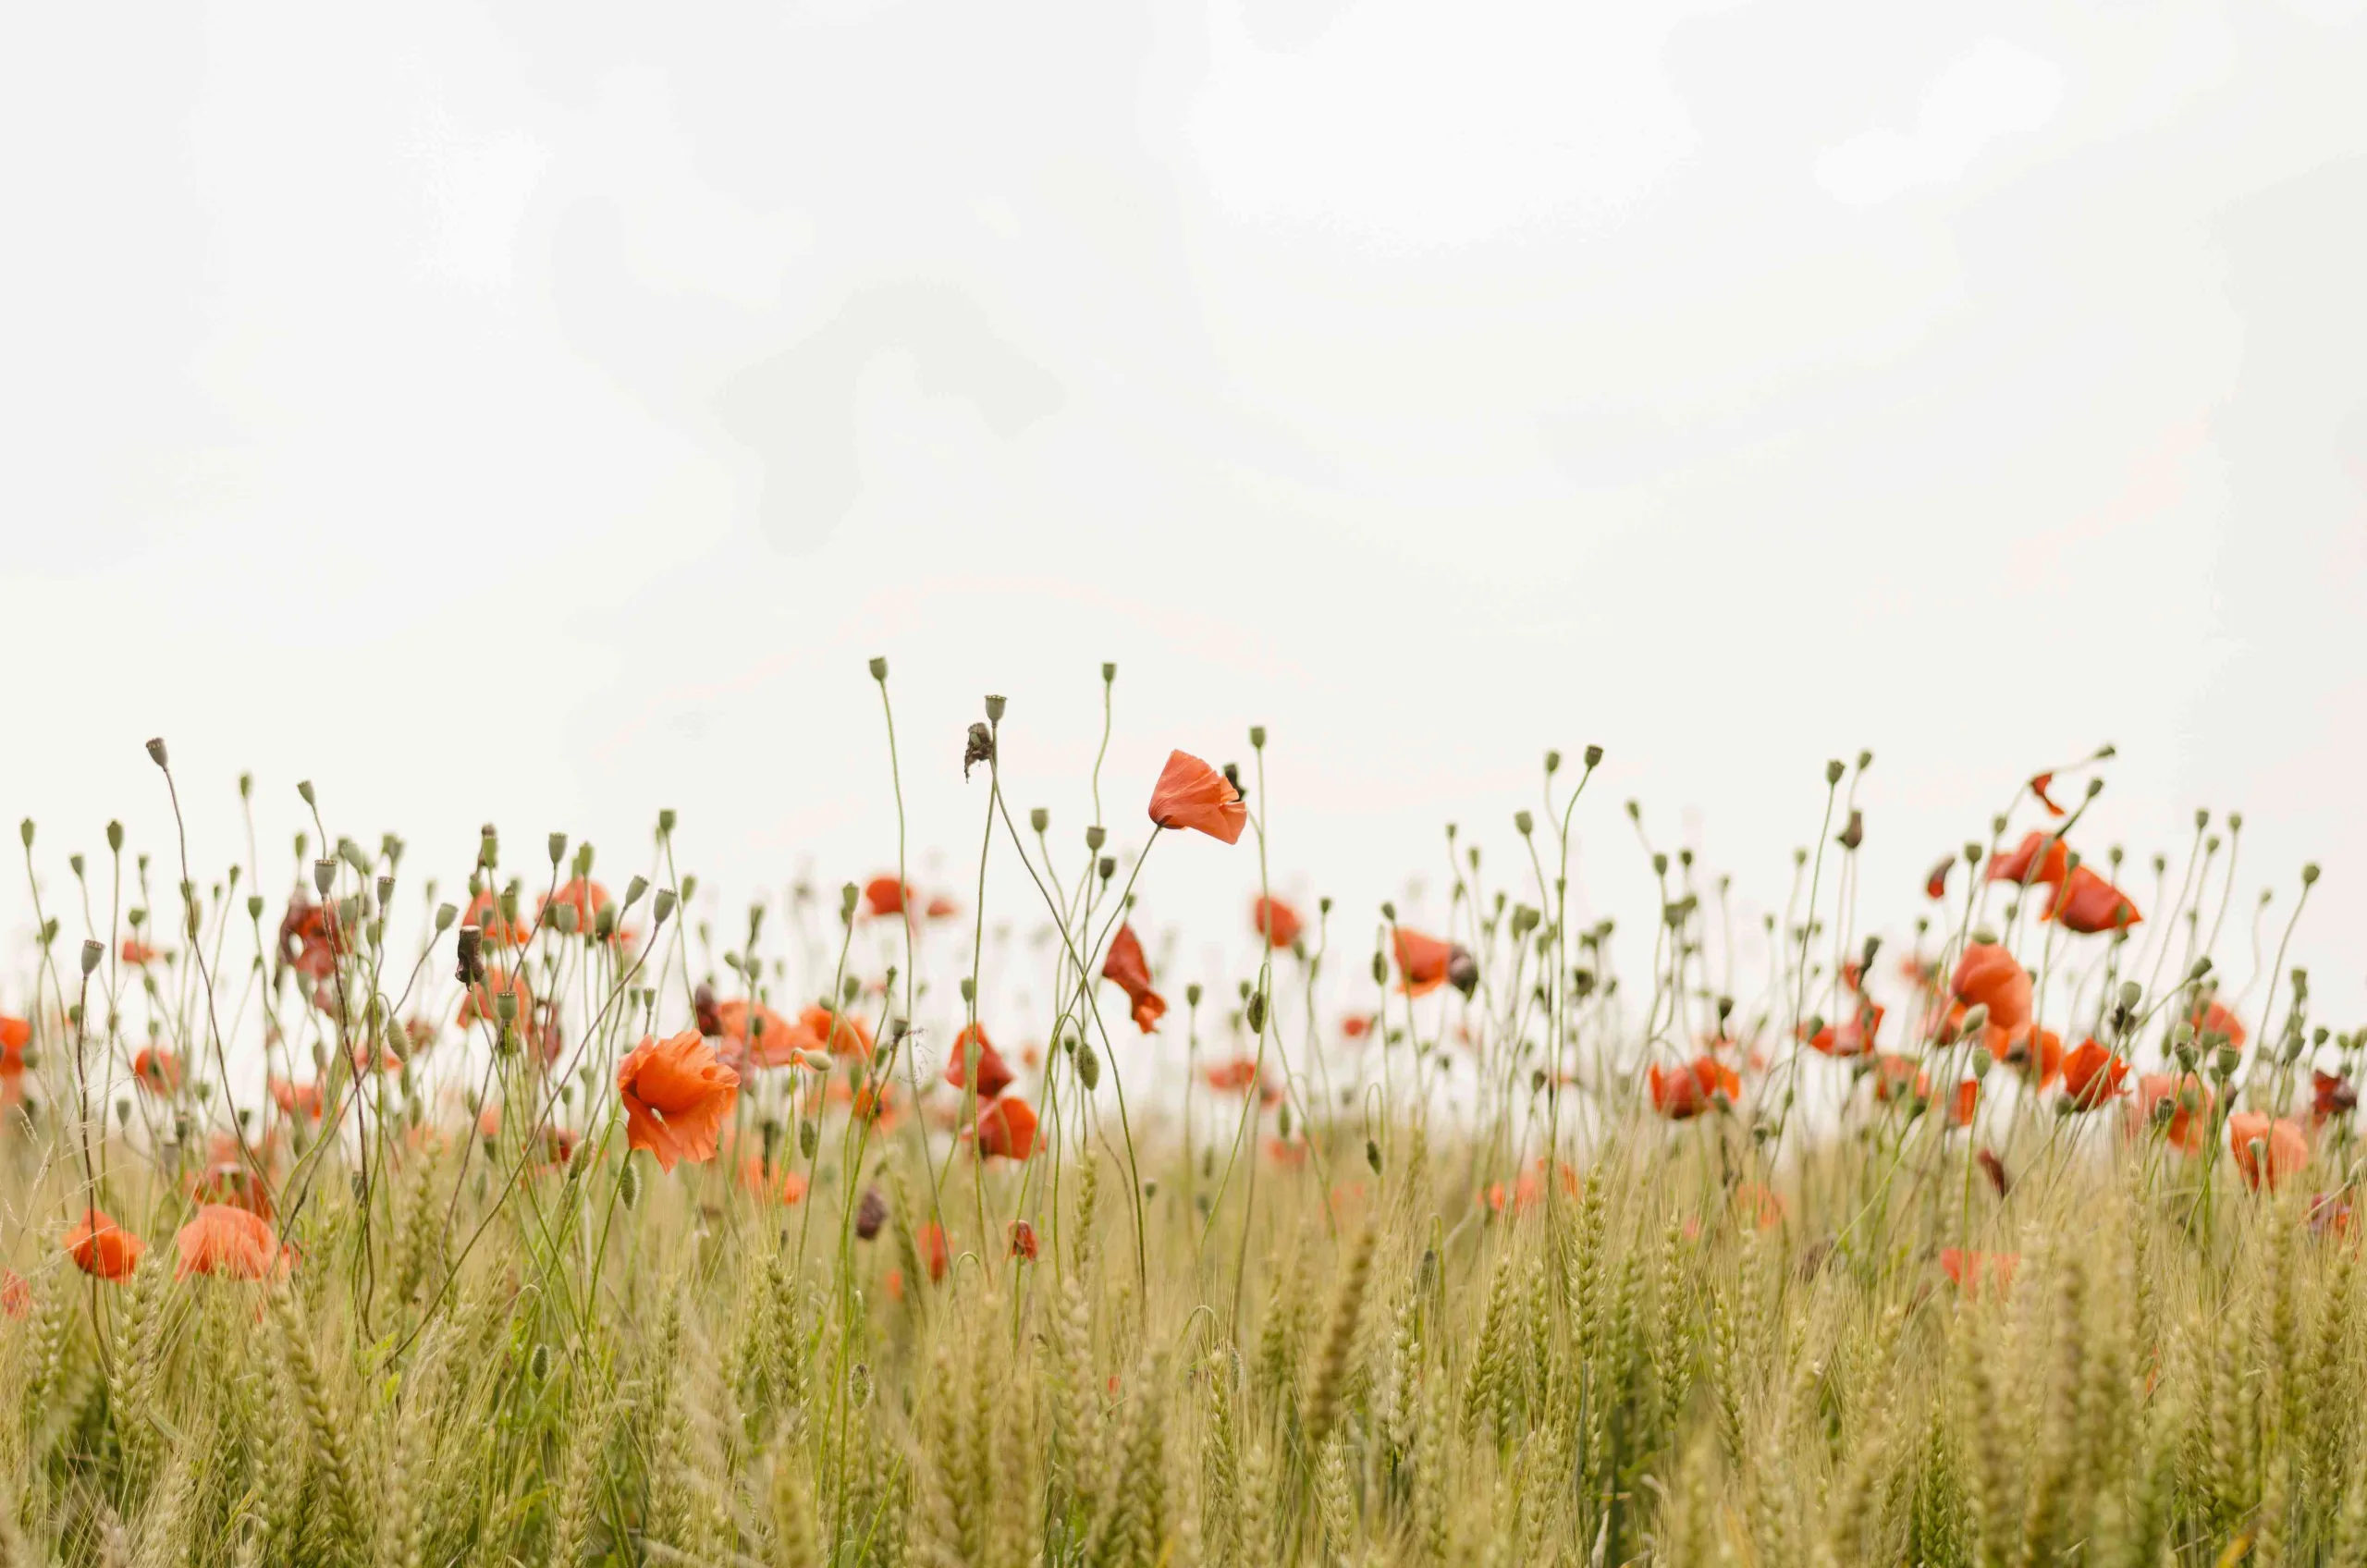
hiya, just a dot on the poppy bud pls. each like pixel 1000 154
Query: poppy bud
pixel 324 875
pixel 25 832
pixel 254 907
pixel 994 708
pixel 1463 970
pixel 1523 823
pixel 1982 1062
pixel 635 889
pixel 662 905
pixel 2310 873
pixel 1372 1155
pixel 1232 772
pixel 879 670
pixel 1039 819
pixel 156 752
pixel 1088 1066
pixel 2131 993
pixel 558 848
pixel 74 864
pixel 809 1137
pixel 2201 967
pixel 629 1185
pixel 1282 1120
pixel 583 860
pixel 870 1214
pixel 969 990
pixel 2227 1061
pixel 1253 1013
pixel 1094 837
pixel 1833 770
pixel 91 953
pixel 1258 737
pixel 1107 867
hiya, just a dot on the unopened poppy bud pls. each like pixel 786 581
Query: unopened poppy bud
pixel 1088 1066
pixel 848 894
pixel 662 905
pixel 1635 810
pixel 969 990
pixel 1976 1019
pixel 583 860
pixel 879 669
pixel 1107 867
pixel 74 864
pixel 629 1185
pixel 2226 1060
pixel 1039 819
pixel 666 820
pixel 809 1137
pixel 91 953
pixel 1523 823
pixel 2095 787
pixel 1982 1062
pixel 1094 839
pixel 2310 873
pixel 1372 1155
pixel 1379 970
pixel 254 906
pixel 816 1061
pixel 2131 993
pixel 1258 737
pixel 1552 762
pixel 2199 968
pixel 1282 1120
pixel 1833 770
pixel 1109 672
pixel 558 847
pixel 1253 1012
pixel 852 987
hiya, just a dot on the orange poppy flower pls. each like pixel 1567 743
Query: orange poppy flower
pixel 2039 858
pixel 2210 1018
pixel 156 1070
pixel 485 913
pixel 993 1076
pixel 1762 1205
pixel 2087 904
pixel 1023 1241
pixel 2039 784
pixel 1966 1269
pixel 930 1239
pixel 1192 794
pixel 1233 1077
pixel 1005 1128
pixel 2252 1135
pixel 587 899
pixel 1356 1028
pixel 1275 920
pixel 1130 972
pixel 138 952
pixel 786 1185
pixel 1987 975
pixel 2190 1121
pixel 229 1242
pixel 482 1000
pixel 1421 961
pixel 2092 1076
pixel 310 942
pixel 885 895
pixel 296 1099
pixel 846 1034
pixel 1935 881
pixel 1964 1104
pixel 757 1036
pixel 101 1247
pixel 2041 1063
pixel 1853 1037
pixel 1287 1153
pixel 16 1035
pixel 677 1094
pixel 2330 1096
pixel 1690 1090
pixel 16 1294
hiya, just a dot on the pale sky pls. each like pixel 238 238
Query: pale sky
pixel 537 413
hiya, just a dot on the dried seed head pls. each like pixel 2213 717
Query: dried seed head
pixel 1462 969
pixel 979 748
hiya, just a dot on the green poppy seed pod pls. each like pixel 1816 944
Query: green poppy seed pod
pixel 583 859
pixel 847 897
pixel 1523 823
pixel 635 889
pixel 505 1006
pixel 114 838
pixel 1981 1062
pixel 2202 818
pixel 25 832
pixel 666 820
pixel 1253 1012
pixel 1282 1120
pixel 74 864
pixel 1108 866
pixel 1594 757
pixel 91 953
pixel 629 1184
pixel 156 752
pixel 508 903
pixel 385 891
pixel 1088 1066
pixel 2310 873
pixel 994 708
pixel 2227 1060
pixel 1095 838
pixel 2095 787
pixel 1108 673
pixel 254 906
pixel 879 670
pixel 1635 809
pixel 558 848
pixel 1192 994
pixel 1833 770
pixel 1659 864
pixel 324 875
pixel 662 905
pixel 563 917
pixel 1257 737
pixel 1389 911
pixel 2200 967
pixel 488 847
pixel 1976 1019
pixel 2131 993
pixel 1865 760
pixel 1379 969
pixel 969 990
pixel 1038 819
pixel 350 852
pixel 1552 762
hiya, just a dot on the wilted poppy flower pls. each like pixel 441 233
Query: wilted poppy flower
pixel 1192 794
pixel 482 1000
pixel 1966 1269
pixel 2252 1137
pixel 1421 960
pixel 1005 1128
pixel 2330 1096
pixel 2040 858
pixel 485 913
pixel 1275 920
pixel 1987 975
pixel 138 952
pixel 1686 1092
pixel 226 1240
pixel 2190 1114
pixel 99 1246
pixel 757 1036
pixel 1995 1169
pixel 310 942
pixel 1130 972
pixel 156 1070
pixel 930 1239
pixel 677 1094
pixel 2087 904
pixel 2039 784
pixel 1023 1241
pixel 993 1076
pixel 296 1099
pixel 842 1034
pixel 2092 1076
pixel 885 895
pixel 1233 1077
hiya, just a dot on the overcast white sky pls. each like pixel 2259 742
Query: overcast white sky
pixel 538 412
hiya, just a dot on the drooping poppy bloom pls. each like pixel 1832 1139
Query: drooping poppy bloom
pixel 1987 975
pixel 1023 1241
pixel 677 1094
pixel 2039 784
pixel 1686 1092
pixel 232 1243
pixel 2213 1020
pixel 2266 1150
pixel 885 895
pixel 1130 972
pixel 1192 794
pixel 296 1099
pixel 1966 1269
pixel 993 1076
pixel 101 1247
pixel 1233 1077
pixel 930 1240
pixel 2092 1076
pixel 156 1070
pixel 2087 904
pixel 1006 1129
pixel 483 998
pixel 2189 1099
pixel 1421 961
pixel 2039 858
pixel 840 1034
pixel 1935 881
pixel 2331 1097
pixel 755 1035
pixel 1275 920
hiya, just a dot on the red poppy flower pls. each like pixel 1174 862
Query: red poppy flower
pixel 1964 1104
pixel 2087 904
pixel 2332 1096
pixel 2039 784
pixel 1275 920
pixel 1233 1077
pixel 1852 1036
pixel 1421 961
pixel 1356 1028
pixel 2190 1121
pixel 485 913
pixel 845 1033
pixel 1287 1153
pixel 587 899
pixel 1192 794
pixel 993 1076
pixel 780 1184
pixel 1686 1092
pixel 16 1294
pixel 2041 857
pixel 930 1239
pixel 1007 1128
pixel 2037 1055
pixel 1935 882
pixel 2092 1076
pixel 101 1247
pixel 756 1036
pixel 310 942
pixel 1023 1241
pixel 1966 1269
pixel 156 1070
pixel 296 1099
pixel 1987 975
pixel 941 908
pixel 2210 1018
pixel 2266 1150
pixel 885 895
pixel 677 1094
pixel 226 1240
pixel 1127 969
pixel 16 1035
pixel 138 952
pixel 482 1000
